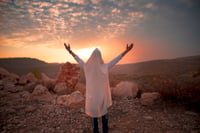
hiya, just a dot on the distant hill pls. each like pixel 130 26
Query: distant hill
pixel 22 66
pixel 165 66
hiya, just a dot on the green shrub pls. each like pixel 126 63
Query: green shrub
pixel 37 74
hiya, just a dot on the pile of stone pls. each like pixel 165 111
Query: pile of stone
pixel 65 89
pixel 44 89
pixel 130 89
pixel 69 74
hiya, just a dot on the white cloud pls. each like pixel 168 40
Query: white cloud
pixel 76 1
pixel 75 14
pixel 95 1
pixel 22 3
pixel 115 10
pixel 3 3
pixel 45 4
pixel 150 6
pixel 61 20
pixel 136 14
pixel 54 11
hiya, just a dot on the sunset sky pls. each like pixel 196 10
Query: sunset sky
pixel 159 29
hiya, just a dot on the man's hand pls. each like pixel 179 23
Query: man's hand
pixel 129 47
pixel 67 47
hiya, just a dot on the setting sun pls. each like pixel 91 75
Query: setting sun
pixel 85 53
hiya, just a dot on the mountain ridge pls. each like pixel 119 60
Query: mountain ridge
pixel 24 65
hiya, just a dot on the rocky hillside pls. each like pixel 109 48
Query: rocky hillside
pixel 35 103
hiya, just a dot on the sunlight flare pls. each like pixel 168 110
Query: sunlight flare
pixel 85 52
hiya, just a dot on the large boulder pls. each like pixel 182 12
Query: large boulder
pixel 47 81
pixel 41 93
pixel 28 78
pixel 150 98
pixel 8 85
pixel 23 80
pixel 30 86
pixel 125 89
pixel 81 87
pixel 69 74
pixel 31 77
pixel 25 95
pixel 1 84
pixel 75 99
pixel 7 76
pixel 61 89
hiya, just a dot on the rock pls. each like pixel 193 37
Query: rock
pixel 61 89
pixel 150 98
pixel 3 72
pixel 48 82
pixel 8 80
pixel 1 82
pixel 8 85
pixel 125 89
pixel 15 89
pixel 8 77
pixel 23 80
pixel 148 117
pixel 194 131
pixel 81 87
pixel 1 85
pixel 69 74
pixel 11 110
pixel 25 95
pixel 19 88
pixel 41 93
pixel 30 86
pixel 30 108
pixel 31 78
pixel 73 100
pixel 191 113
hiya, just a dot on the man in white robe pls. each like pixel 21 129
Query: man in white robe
pixel 98 92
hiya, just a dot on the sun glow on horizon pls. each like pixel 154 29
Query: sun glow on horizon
pixel 85 53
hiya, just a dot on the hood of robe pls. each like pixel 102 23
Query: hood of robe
pixel 95 57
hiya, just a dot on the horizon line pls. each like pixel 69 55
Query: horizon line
pixel 117 64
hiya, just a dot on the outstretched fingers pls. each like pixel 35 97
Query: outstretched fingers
pixel 67 46
pixel 129 47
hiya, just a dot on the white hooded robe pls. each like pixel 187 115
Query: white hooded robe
pixel 98 92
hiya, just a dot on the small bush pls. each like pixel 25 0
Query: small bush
pixel 37 74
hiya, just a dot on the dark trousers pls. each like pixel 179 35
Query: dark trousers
pixel 104 124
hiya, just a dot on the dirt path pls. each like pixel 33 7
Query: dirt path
pixel 125 116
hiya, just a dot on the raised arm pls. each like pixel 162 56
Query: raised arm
pixel 115 60
pixel 68 48
pixel 128 48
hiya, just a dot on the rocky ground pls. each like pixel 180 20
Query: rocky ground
pixel 32 105
pixel 127 115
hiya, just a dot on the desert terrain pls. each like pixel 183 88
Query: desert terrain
pixel 32 105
